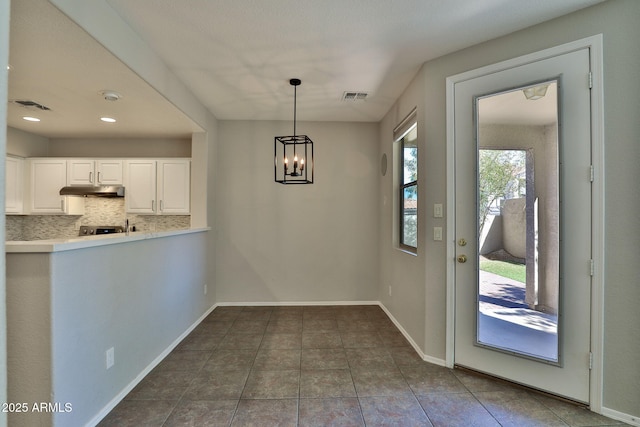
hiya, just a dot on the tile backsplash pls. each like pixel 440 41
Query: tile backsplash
pixel 98 211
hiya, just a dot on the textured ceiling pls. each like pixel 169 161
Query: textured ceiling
pixel 237 57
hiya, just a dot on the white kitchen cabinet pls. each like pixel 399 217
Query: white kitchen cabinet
pixel 14 185
pixel 109 172
pixel 158 187
pixel 80 172
pixel 89 172
pixel 140 186
pixel 46 178
pixel 174 186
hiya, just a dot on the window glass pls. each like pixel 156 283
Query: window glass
pixel 409 190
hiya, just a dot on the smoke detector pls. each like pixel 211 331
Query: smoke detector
pixel 354 96
pixel 110 95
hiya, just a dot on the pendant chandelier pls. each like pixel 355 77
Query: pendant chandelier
pixel 293 155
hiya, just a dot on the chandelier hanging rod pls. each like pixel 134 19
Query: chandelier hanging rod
pixel 295 83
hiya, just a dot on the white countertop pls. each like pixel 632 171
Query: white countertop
pixel 59 245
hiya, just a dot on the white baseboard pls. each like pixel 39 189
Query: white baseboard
pixel 294 303
pixel 425 357
pixel 620 416
pixel 118 398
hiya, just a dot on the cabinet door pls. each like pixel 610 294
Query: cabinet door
pixel 140 186
pixel 14 182
pixel 81 172
pixel 109 172
pixel 48 176
pixel 174 186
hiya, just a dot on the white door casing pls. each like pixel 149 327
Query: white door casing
pixel 579 345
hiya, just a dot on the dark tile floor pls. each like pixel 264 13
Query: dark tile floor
pixel 322 366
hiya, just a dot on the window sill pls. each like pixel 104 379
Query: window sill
pixel 408 251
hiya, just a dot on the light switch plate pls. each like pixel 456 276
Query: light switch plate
pixel 437 210
pixel 110 356
pixel 437 233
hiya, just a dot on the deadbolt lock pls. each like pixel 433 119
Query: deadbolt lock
pixel 462 242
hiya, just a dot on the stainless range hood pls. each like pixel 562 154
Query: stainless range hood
pixel 99 191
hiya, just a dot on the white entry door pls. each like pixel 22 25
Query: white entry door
pixel 523 224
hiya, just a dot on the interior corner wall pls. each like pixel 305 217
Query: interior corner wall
pixel 411 284
pixel 25 144
pixel 616 20
pixel 297 243
pixel 210 197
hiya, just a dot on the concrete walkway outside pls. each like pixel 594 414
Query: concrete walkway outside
pixel 506 322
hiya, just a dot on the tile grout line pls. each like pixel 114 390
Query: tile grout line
pixel 342 323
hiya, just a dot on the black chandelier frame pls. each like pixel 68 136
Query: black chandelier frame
pixel 288 169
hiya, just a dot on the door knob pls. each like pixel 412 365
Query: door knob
pixel 462 259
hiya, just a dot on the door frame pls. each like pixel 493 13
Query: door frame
pixel 594 44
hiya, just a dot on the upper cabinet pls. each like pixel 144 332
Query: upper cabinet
pixel 90 172
pixel 14 185
pixel 80 172
pixel 109 172
pixel 46 177
pixel 140 186
pixel 157 187
pixel 174 186
pixel 152 186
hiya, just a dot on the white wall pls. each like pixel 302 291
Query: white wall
pixel 617 21
pixel 406 273
pixel 120 147
pixel 28 333
pixel 68 308
pixel 25 144
pixel 304 243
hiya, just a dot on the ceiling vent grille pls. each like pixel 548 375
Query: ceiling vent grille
pixel 30 104
pixel 354 96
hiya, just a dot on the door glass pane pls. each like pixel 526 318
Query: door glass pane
pixel 518 222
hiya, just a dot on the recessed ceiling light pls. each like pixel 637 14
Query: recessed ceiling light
pixel 31 119
pixel 108 119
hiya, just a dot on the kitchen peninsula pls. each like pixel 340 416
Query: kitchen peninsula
pixel 59 245
pixel 88 317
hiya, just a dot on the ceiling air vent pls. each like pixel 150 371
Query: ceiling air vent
pixel 31 104
pixel 354 96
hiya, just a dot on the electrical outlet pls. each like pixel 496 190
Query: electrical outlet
pixel 389 290
pixel 205 289
pixel 110 357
